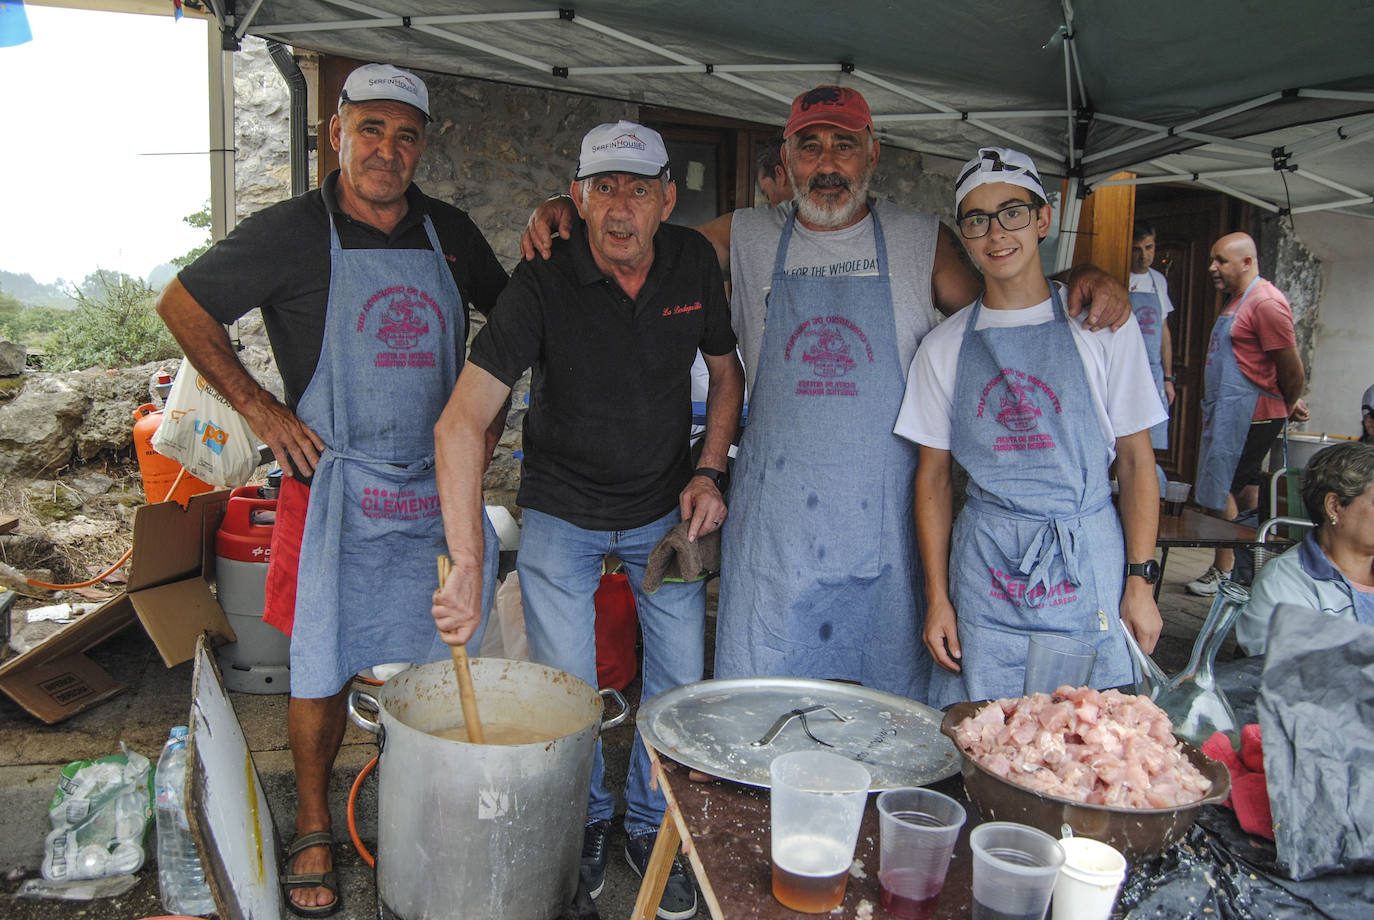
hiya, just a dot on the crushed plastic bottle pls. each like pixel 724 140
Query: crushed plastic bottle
pixel 180 875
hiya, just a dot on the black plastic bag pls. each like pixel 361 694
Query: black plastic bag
pixel 1316 709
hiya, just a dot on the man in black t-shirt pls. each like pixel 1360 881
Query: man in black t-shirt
pixel 610 325
pixel 337 272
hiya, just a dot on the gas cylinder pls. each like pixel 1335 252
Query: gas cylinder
pixel 259 662
pixel 159 472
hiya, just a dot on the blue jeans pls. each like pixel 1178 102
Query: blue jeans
pixel 560 569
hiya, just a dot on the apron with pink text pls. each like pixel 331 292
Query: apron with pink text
pixel 1038 545
pixel 373 528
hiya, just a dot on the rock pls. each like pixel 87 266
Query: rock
pixel 11 359
pixel 38 429
pixel 92 483
pixel 114 395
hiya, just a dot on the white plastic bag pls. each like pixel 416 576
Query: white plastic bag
pixel 509 613
pixel 202 432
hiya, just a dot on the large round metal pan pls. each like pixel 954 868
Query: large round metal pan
pixel 1139 833
pixel 716 725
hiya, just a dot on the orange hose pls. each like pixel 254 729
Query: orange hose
pixel 84 584
pixel 32 582
pixel 352 825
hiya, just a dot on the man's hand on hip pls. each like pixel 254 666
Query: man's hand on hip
pixel 279 428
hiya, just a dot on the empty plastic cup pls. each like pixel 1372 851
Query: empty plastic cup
pixel 816 803
pixel 1053 661
pixel 1175 496
pixel 917 829
pixel 1088 880
pixel 1014 871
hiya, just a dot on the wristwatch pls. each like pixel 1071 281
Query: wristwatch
pixel 720 478
pixel 1148 570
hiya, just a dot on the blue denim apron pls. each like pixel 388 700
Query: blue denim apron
pixel 1038 545
pixel 1228 407
pixel 1149 315
pixel 819 576
pixel 373 527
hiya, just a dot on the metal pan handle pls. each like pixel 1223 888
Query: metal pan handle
pixel 355 714
pixel 624 707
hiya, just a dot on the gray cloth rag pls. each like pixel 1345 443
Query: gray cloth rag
pixel 675 559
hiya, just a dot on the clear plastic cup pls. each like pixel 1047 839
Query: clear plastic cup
pixel 1175 496
pixel 917 829
pixel 1088 881
pixel 1053 661
pixel 816 803
pixel 1014 871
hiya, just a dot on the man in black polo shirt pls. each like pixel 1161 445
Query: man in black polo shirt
pixel 363 286
pixel 610 324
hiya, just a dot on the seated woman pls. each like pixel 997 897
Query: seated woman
pixel 1332 569
pixel 1035 408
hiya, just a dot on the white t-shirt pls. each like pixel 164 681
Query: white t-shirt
pixel 1115 364
pixel 1143 281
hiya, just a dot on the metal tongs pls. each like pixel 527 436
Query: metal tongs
pixel 800 715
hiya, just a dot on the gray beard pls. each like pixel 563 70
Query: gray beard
pixel 839 215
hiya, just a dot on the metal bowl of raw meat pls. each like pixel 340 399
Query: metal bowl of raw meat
pixel 1138 833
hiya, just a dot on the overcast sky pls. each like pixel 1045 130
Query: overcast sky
pixel 82 106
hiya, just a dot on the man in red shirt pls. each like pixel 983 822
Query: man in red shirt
pixel 1254 382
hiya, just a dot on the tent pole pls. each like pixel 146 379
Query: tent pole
pixel 221 88
pixel 1070 208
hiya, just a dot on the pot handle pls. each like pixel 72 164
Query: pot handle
pixel 619 698
pixel 355 714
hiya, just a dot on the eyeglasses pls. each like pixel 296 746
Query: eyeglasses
pixel 1012 217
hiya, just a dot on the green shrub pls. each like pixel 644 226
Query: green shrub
pixel 115 324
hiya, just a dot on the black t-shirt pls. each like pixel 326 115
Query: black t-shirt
pixel 278 260
pixel 605 438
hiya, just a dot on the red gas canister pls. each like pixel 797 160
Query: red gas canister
pixel 616 625
pixel 259 662
pixel 159 472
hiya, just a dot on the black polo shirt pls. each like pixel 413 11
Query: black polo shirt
pixel 278 260
pixel 605 438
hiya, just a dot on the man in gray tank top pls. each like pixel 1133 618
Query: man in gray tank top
pixel 831 295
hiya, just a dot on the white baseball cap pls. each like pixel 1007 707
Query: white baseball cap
pixel 385 83
pixel 1367 400
pixel 998 164
pixel 623 147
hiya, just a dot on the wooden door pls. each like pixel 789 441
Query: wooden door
pixel 1186 224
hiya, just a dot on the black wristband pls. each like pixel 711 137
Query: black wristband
pixel 719 478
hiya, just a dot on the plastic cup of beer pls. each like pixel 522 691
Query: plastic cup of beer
pixel 1053 660
pixel 917 829
pixel 1088 880
pixel 1014 871
pixel 1175 496
pixel 816 803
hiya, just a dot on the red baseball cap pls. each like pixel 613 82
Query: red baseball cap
pixel 829 105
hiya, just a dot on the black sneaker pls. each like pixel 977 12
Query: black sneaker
pixel 595 839
pixel 679 895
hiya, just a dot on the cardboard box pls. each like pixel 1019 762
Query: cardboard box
pixel 168 592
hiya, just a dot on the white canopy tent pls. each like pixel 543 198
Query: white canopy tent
pixel 1269 102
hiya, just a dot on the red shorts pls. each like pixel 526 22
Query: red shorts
pixel 279 608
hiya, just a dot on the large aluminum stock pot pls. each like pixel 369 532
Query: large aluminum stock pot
pixel 477 831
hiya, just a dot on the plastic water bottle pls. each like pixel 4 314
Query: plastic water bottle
pixel 179 873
